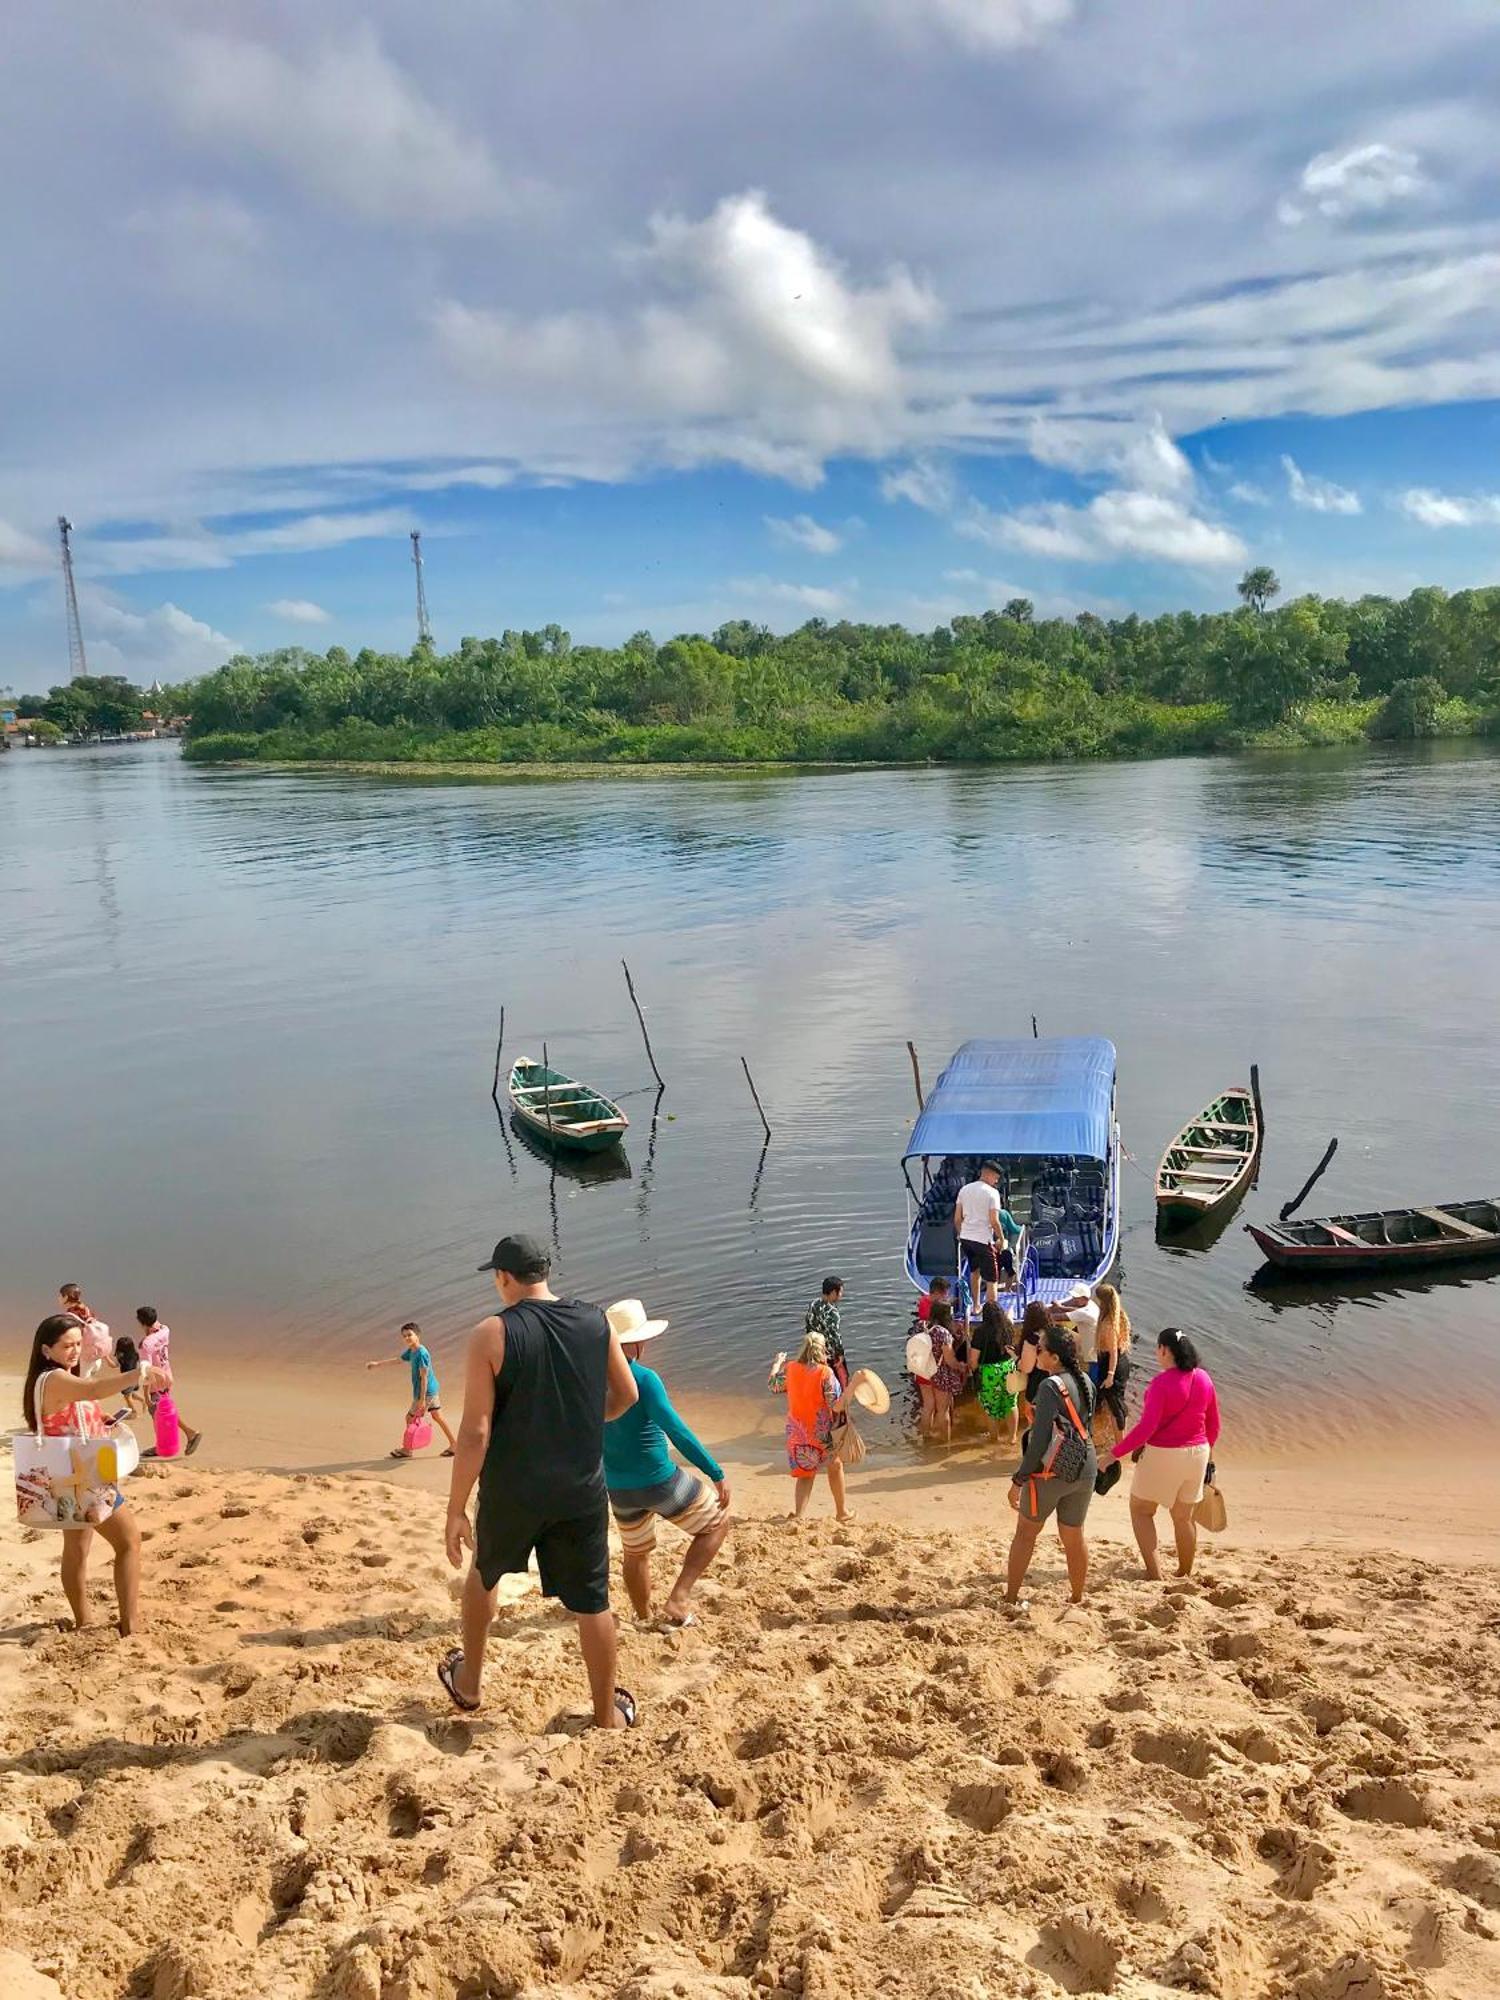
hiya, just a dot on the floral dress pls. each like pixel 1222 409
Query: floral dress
pixel 811 1393
pixel 950 1378
pixel 995 1399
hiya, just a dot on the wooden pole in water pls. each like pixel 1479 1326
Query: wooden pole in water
pixel 1034 1035
pixel 495 1082
pixel 756 1095
pixel 650 1057
pixel 547 1091
pixel 911 1050
pixel 1260 1122
pixel 1289 1208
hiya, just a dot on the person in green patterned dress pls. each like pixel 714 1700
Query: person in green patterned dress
pixel 997 1358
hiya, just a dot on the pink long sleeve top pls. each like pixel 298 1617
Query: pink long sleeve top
pixel 1180 1410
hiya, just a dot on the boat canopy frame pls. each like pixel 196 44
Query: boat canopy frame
pixel 1019 1098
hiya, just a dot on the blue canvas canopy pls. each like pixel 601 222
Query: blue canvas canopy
pixel 1021 1097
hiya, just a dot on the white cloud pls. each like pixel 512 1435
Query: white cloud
pixel 816 599
pixel 1248 494
pixel 803 532
pixel 1451 510
pixel 197 547
pixel 1120 522
pixel 1141 455
pixel 300 610
pixel 344 122
pixel 756 348
pixel 1362 180
pixel 1321 496
pixel 922 482
pixel 489 478
pixel 21 554
pixel 984 25
pixel 166 643
pixel 204 248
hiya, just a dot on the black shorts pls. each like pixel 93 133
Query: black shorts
pixel 572 1554
pixel 983 1260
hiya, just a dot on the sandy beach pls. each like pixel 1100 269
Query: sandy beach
pixel 856 1775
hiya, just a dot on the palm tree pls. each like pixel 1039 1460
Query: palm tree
pixel 1258 586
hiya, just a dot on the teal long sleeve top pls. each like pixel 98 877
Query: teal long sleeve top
pixel 635 1444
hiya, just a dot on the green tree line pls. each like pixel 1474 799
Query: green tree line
pixel 93 705
pixel 998 685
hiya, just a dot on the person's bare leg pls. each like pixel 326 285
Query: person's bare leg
pixel 836 1488
pixel 476 1615
pixel 75 1573
pixel 124 1537
pixel 1076 1555
pixel 1186 1531
pixel 801 1494
pixel 1143 1523
pixel 597 1637
pixel 701 1551
pixel 442 1423
pixel 635 1565
pixel 1022 1548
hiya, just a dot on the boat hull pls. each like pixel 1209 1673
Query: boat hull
pixel 1337 1259
pixel 549 1135
pixel 560 1113
pixel 1210 1164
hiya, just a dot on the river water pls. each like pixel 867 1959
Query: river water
pixel 250 1020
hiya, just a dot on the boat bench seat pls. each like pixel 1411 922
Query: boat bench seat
pixel 1452 1223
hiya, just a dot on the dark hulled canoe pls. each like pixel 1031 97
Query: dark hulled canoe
pixel 561 1112
pixel 1389 1239
pixel 1211 1161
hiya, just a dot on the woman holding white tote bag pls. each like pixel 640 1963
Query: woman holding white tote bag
pixel 70 1479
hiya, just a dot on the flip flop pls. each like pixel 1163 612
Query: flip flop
pixel 193 1443
pixel 678 1624
pixel 624 1702
pixel 448 1453
pixel 396 1453
pixel 448 1666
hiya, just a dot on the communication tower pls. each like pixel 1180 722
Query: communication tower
pixel 77 659
pixel 424 624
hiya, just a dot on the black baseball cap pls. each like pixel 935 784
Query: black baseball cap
pixel 520 1257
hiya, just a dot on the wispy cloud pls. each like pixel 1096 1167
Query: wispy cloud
pixel 1451 510
pixel 299 611
pixel 1121 522
pixel 200 547
pixel 1249 494
pixel 1361 180
pixel 985 26
pixel 803 532
pixel 1320 496
pixel 923 483
pixel 816 599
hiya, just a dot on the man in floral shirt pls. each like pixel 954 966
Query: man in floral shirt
pixel 823 1317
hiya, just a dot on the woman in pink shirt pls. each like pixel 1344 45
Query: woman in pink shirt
pixel 1171 1444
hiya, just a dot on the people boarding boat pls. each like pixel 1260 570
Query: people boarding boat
pixel 1211 1162
pixel 1043 1113
pixel 560 1111
pixel 1386 1239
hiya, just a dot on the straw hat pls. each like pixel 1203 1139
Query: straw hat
pixel 627 1318
pixel 869 1391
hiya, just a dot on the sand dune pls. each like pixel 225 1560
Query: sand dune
pixel 857 1776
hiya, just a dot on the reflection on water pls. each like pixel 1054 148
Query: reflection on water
pixel 251 1017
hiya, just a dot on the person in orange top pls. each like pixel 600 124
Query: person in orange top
pixel 813 1400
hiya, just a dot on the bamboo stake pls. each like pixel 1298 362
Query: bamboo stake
pixel 756 1095
pixel 547 1093
pixel 495 1081
pixel 911 1050
pixel 650 1056
pixel 1288 1208
pixel 1260 1122
pixel 1034 1035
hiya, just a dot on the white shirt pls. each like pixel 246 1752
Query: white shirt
pixel 1085 1323
pixel 978 1212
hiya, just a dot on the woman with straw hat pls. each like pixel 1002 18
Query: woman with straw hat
pixel 813 1401
pixel 644 1484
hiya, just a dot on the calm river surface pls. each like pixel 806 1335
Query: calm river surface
pixel 249 1024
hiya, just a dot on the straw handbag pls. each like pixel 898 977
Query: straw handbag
pixel 849 1448
pixel 1210 1512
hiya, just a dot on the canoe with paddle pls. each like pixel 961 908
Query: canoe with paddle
pixel 1211 1161
pixel 1387 1239
pixel 562 1112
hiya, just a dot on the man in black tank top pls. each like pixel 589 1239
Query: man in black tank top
pixel 540 1379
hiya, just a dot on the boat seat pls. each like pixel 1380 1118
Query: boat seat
pixel 1344 1236
pixel 1216 1125
pixel 937 1249
pixel 1211 1152
pixel 1452 1223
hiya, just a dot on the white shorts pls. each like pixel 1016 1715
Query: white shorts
pixel 1170 1474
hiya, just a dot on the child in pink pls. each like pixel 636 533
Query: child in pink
pixel 154 1342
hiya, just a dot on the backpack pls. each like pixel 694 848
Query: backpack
pixel 1067 1452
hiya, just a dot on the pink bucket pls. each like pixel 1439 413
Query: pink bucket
pixel 168 1427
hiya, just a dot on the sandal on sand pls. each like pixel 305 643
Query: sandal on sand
pixel 448 1668
pixel 678 1624
pixel 193 1443
pixel 625 1703
pixel 448 1453
pixel 397 1452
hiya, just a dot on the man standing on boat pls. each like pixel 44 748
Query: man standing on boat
pixel 981 1222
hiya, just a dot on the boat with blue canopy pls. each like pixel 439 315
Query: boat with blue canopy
pixel 1044 1112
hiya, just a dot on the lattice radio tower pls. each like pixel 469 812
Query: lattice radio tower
pixel 77 659
pixel 424 623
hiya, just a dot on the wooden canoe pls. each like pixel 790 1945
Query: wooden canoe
pixel 1211 1162
pixel 562 1112
pixel 1386 1239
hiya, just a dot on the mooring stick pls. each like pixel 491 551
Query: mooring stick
pixel 547 1090
pixel 911 1050
pixel 650 1057
pixel 756 1095
pixel 499 1041
pixel 1034 1035
pixel 1289 1208
pixel 1260 1122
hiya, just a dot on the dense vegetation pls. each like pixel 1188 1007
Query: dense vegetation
pixel 993 687
pixel 93 705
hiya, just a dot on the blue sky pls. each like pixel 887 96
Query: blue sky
pixel 660 315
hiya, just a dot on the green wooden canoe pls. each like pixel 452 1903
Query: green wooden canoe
pixel 1211 1162
pixel 562 1112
